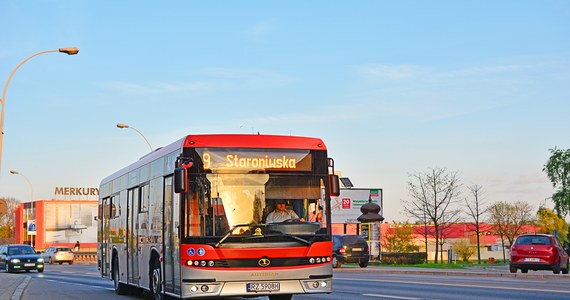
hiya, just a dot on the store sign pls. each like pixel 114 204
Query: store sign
pixel 31 227
pixel 71 191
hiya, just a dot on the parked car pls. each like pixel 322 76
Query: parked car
pixel 538 252
pixel 20 257
pixel 350 249
pixel 59 255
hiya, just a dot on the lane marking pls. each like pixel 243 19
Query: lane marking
pixel 459 285
pixel 391 297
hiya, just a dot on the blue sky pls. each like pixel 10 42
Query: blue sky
pixel 393 88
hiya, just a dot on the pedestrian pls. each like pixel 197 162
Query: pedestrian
pixel 77 246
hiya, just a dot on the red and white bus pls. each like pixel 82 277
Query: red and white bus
pixel 188 220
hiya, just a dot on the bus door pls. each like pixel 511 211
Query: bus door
pixel 171 238
pixel 105 213
pixel 132 236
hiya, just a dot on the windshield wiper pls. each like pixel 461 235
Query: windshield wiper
pixel 302 240
pixel 218 244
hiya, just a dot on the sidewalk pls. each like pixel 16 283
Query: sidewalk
pixel 12 285
pixel 475 270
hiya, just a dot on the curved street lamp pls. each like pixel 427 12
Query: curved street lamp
pixel 31 200
pixel 29 183
pixel 121 125
pixel 68 51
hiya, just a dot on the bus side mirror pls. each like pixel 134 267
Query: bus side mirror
pixel 334 185
pixel 180 180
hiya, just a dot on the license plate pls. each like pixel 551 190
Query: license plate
pixel 356 249
pixel 532 259
pixel 262 286
pixel 29 265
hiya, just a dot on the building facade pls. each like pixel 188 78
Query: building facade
pixel 44 223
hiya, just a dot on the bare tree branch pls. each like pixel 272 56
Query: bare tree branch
pixel 476 209
pixel 434 195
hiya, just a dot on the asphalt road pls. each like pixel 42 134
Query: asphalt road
pixel 84 282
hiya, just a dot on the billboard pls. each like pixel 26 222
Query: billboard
pixel 346 207
pixel 68 222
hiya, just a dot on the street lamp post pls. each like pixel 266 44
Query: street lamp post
pixel 29 183
pixel 31 199
pixel 121 125
pixel 68 51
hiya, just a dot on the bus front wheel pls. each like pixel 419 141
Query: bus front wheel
pixel 155 281
pixel 120 288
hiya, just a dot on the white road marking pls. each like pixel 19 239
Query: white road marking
pixel 460 285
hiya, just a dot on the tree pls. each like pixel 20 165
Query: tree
pixel 476 209
pixel 508 219
pixel 401 239
pixel 464 249
pixel 433 196
pixel 557 169
pixel 549 221
pixel 7 222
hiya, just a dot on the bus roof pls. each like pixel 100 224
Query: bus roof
pixel 225 141
pixel 253 141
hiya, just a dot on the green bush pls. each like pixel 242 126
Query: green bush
pixel 410 258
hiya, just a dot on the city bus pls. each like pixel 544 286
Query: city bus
pixel 189 220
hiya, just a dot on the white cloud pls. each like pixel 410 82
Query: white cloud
pixel 499 69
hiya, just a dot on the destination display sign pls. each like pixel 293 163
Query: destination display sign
pixel 255 159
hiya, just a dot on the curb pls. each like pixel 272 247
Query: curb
pixel 20 289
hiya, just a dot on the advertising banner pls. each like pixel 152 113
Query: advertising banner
pixel 346 207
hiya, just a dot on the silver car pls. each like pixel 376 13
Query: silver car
pixel 59 255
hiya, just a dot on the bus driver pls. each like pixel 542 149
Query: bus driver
pixel 281 213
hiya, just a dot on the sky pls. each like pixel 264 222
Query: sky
pixel 393 88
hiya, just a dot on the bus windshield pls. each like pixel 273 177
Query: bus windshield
pixel 220 204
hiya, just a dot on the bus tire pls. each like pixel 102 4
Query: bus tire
pixel 156 280
pixel 120 288
pixel 335 262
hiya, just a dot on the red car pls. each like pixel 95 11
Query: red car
pixel 538 252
